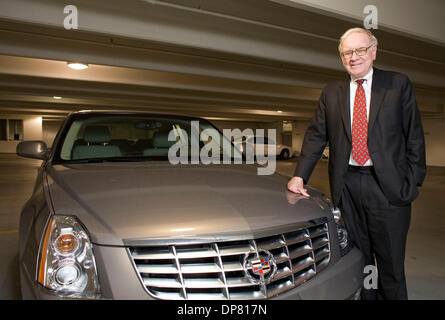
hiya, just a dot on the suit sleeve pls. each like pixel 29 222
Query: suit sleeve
pixel 314 142
pixel 413 132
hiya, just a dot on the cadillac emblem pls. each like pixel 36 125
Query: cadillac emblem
pixel 259 267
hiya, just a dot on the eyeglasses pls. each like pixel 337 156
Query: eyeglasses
pixel 359 51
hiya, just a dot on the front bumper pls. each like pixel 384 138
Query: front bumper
pixel 119 280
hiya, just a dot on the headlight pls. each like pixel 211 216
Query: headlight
pixel 342 234
pixel 66 264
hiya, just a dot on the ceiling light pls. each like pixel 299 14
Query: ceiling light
pixel 182 229
pixel 279 111
pixel 57 97
pixel 77 65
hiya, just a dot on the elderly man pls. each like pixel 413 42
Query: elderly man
pixel 377 158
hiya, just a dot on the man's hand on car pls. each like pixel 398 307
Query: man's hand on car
pixel 296 184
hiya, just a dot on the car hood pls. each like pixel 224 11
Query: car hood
pixel 121 202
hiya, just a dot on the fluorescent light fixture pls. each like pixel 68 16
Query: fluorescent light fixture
pixel 77 65
pixel 182 229
pixel 57 97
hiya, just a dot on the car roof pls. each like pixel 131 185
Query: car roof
pixel 135 112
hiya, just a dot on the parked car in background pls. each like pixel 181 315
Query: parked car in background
pixel 111 217
pixel 282 151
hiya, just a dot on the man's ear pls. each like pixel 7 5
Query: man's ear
pixel 374 52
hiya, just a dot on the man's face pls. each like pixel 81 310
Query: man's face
pixel 358 66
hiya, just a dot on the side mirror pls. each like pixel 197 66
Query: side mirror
pixel 33 149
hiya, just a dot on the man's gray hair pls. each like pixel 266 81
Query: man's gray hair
pixel 372 38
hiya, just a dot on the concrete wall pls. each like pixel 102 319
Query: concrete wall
pixel 298 131
pixel 434 140
pixel 50 129
pixel 32 130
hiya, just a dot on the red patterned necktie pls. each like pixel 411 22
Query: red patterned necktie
pixel 360 126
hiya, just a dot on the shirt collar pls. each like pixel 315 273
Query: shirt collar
pixel 367 76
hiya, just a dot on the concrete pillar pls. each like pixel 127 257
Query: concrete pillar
pixel 298 130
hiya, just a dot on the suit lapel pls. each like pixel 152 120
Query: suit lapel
pixel 378 92
pixel 344 103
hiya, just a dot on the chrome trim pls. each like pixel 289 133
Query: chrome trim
pixel 181 269
pixel 223 237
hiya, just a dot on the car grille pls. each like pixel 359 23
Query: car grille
pixel 217 270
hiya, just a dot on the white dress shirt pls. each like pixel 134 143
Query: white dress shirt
pixel 367 85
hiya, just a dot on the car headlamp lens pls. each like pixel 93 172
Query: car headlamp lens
pixel 67 265
pixel 67 275
pixel 66 244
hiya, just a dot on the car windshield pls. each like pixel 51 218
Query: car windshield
pixel 137 138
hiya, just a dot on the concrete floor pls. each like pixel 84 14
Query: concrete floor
pixel 425 257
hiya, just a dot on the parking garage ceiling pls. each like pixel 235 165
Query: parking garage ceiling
pixel 240 60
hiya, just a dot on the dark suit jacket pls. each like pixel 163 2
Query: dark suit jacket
pixel 395 137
